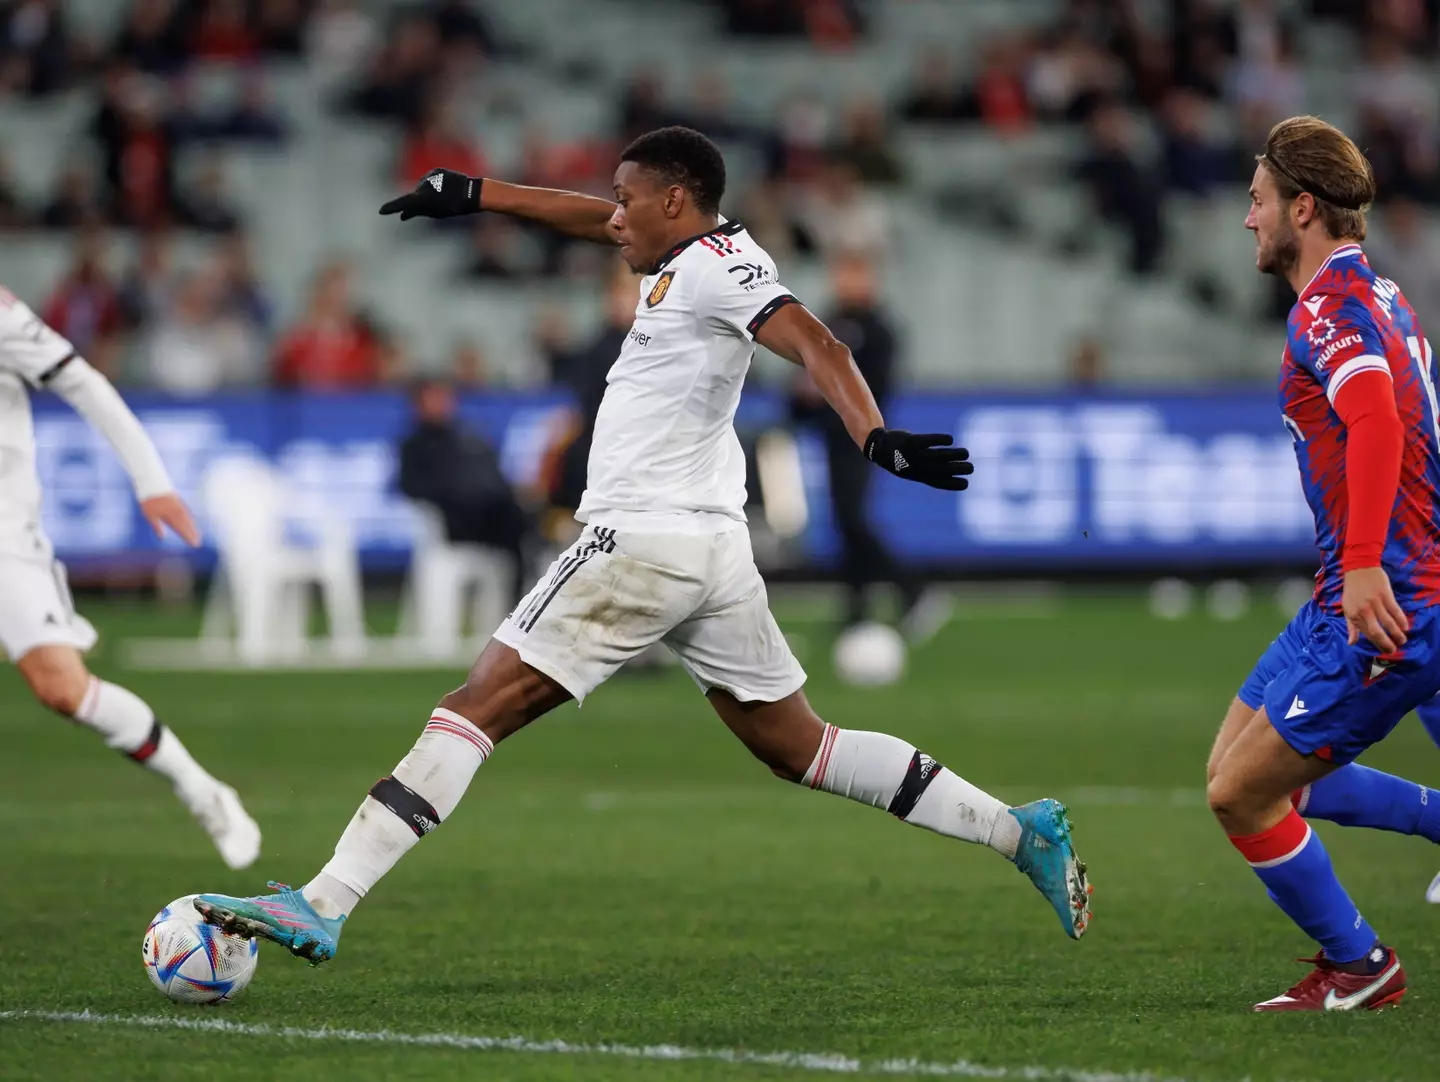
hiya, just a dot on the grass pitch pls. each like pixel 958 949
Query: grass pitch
pixel 625 875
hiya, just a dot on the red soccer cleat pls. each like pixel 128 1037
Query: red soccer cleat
pixel 1329 988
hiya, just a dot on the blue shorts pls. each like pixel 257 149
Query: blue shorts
pixel 1333 700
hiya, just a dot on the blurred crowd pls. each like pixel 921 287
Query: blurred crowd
pixel 1165 115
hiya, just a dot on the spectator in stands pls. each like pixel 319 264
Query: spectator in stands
pixel 251 118
pixel 223 31
pixel 710 110
pixel 401 78
pixel 642 105
pixel 460 22
pixel 197 347
pixel 935 92
pixel 457 472
pixel 769 218
pixel 860 321
pixel 137 150
pixel 333 347
pixel 797 153
pixel 1125 192
pixel 998 97
pixel 280 27
pixel 1266 87
pixel 13 214
pixel 205 206
pixel 1069 75
pixel 1195 161
pixel 75 204
pixel 85 307
pixel 241 296
pixel 1399 111
pixel 865 143
pixel 340 37
pixel 148 287
pixel 150 38
pixel 1409 254
pixel 764 18
pixel 495 249
pixel 841 216
pixel 439 139
pixel 36 46
pixel 583 373
pixel 1199 35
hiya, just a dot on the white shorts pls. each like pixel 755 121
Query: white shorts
pixel 613 594
pixel 36 609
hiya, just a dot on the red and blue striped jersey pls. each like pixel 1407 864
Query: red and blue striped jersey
pixel 1350 320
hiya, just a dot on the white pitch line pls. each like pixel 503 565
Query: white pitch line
pixel 827 1062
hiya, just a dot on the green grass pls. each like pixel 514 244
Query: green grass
pixel 626 874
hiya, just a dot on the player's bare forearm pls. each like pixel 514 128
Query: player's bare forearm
pixel 795 334
pixel 572 213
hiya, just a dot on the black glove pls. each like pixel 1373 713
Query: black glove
pixel 931 459
pixel 443 193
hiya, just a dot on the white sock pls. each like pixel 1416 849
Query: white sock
pixel 129 725
pixel 400 810
pixel 886 772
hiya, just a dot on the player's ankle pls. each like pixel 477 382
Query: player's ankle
pixel 1368 964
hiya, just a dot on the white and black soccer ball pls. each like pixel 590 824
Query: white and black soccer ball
pixel 870 654
pixel 194 962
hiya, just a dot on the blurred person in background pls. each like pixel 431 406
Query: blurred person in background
pixel 935 94
pixel 1400 118
pixel 1195 160
pixel 468 366
pixel 340 38
pixel 137 150
pixel 455 470
pixel 1410 253
pixel 148 286
pixel 462 22
pixel 222 30
pixel 439 137
pixel 85 306
pixel 841 215
pixel 860 321
pixel 13 213
pixel 251 118
pixel 149 38
pixel 400 78
pixel 1069 74
pixel 866 143
pixel 35 45
pixel 1265 86
pixel 999 97
pixel 1126 193
pixel 332 347
pixel 204 204
pixel 241 294
pixel 196 347
pixel 280 26
pixel 76 202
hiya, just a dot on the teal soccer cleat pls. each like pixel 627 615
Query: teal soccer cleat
pixel 284 917
pixel 1047 855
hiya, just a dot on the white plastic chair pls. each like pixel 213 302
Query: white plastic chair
pixel 261 589
pixel 432 605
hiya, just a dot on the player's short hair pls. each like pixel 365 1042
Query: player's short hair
pixel 685 157
pixel 1305 154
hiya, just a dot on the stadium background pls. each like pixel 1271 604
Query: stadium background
pixel 1052 195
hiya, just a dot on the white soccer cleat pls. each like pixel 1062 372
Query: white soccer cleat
pixel 230 827
pixel 1433 894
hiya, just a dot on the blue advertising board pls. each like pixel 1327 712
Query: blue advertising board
pixel 1152 480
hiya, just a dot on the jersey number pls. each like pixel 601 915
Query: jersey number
pixel 1420 350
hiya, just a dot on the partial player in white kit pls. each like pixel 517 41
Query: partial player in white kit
pixel 39 628
pixel 665 553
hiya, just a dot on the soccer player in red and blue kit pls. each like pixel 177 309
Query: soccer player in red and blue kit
pixel 1357 393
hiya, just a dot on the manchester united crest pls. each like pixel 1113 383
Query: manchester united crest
pixel 659 289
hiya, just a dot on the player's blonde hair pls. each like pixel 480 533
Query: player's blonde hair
pixel 1305 154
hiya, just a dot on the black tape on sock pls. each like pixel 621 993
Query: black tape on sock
pixel 147 749
pixel 417 813
pixel 922 771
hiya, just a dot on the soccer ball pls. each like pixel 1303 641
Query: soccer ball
pixel 194 962
pixel 870 655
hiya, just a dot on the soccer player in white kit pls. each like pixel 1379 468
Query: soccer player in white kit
pixel 39 628
pixel 665 553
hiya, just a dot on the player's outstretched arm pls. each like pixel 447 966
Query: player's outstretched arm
pixel 932 459
pixel 444 193
pixel 94 398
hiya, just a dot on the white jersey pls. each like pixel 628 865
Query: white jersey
pixel 30 355
pixel 665 457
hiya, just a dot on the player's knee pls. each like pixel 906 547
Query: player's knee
pixel 60 688
pixel 1226 799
